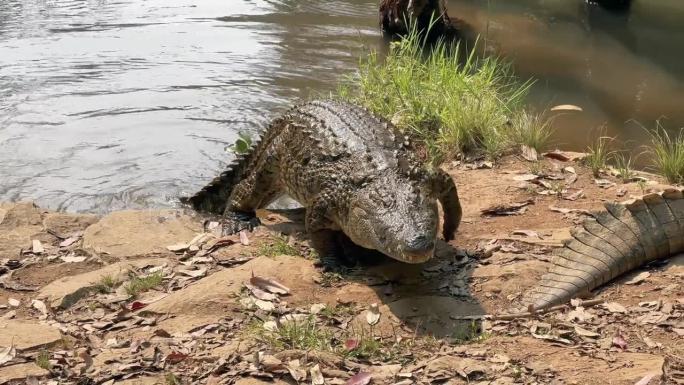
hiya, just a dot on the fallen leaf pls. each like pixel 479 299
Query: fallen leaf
pixel 641 277
pixel 586 333
pixel 269 285
pixel 564 210
pixel 526 233
pixel 373 314
pixel 566 108
pixel 574 196
pixel 175 357
pixel 137 305
pixel 244 239
pixel 261 294
pixel 73 259
pixel 604 183
pixel 529 153
pixel 615 307
pixel 193 273
pixel 569 169
pixel 40 306
pixel 316 375
pixel 565 156
pixel 264 305
pixel 360 378
pixel 7 354
pixel 351 344
pixel 296 371
pixel 271 326
pixel 37 247
pixel 619 340
pixel 507 209
pixel 69 241
pixel 14 302
pixel 317 308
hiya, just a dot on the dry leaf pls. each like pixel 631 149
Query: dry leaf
pixel 507 209
pixel 296 371
pixel 69 241
pixel 73 259
pixel 564 210
pixel 244 239
pixel 619 341
pixel 615 307
pixel 14 302
pixel 316 375
pixel 604 183
pixel 40 306
pixel 175 357
pixel 7 354
pixel 261 294
pixel 565 156
pixel 569 169
pixel 526 233
pixel 271 326
pixel 525 177
pixel 646 379
pixel 566 108
pixel 37 247
pixel 178 247
pixel 574 196
pixel 585 333
pixel 269 285
pixel 351 344
pixel 264 305
pixel 360 378
pixel 641 277
pixel 317 308
pixel 373 314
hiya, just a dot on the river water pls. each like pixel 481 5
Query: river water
pixel 127 104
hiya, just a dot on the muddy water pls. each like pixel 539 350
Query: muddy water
pixel 120 104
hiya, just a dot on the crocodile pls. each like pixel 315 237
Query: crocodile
pixel 356 176
pixel 610 243
pixel 396 16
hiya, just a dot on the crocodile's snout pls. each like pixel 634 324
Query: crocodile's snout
pixel 419 249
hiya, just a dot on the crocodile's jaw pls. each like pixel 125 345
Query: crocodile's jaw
pixel 416 258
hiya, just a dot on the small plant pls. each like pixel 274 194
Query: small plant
pixel 623 165
pixel 107 284
pixel 642 186
pixel 536 168
pixel 367 346
pixel 303 334
pixel 172 379
pixel 598 154
pixel 43 360
pixel 668 154
pixel 242 145
pixel 557 188
pixel 531 130
pixel 471 332
pixel 279 246
pixel 142 284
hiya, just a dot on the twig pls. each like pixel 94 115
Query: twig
pixel 528 314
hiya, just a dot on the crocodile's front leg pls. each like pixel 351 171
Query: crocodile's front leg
pixel 328 242
pixel 445 190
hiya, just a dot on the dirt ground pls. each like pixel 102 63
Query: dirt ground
pixel 157 297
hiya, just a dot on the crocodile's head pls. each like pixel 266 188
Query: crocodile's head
pixel 394 216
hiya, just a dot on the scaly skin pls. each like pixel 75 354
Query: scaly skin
pixel 354 175
pixel 625 236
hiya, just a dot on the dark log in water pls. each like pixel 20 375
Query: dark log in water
pixel 395 17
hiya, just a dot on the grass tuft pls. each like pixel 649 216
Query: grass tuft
pixel 139 285
pixel 668 154
pixel 302 334
pixel 451 104
pixel 107 284
pixel 623 165
pixel 43 360
pixel 598 154
pixel 278 246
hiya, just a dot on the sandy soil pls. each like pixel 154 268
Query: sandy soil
pixel 156 297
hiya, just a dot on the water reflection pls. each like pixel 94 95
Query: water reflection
pixel 112 104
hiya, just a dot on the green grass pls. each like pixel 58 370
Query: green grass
pixel 668 154
pixel 43 360
pixel 139 285
pixel 598 153
pixel 278 246
pixel 449 103
pixel 303 334
pixel 172 379
pixel 107 284
pixel 623 165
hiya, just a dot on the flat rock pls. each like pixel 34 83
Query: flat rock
pixel 215 295
pixel 66 291
pixel 134 233
pixel 20 372
pixel 27 335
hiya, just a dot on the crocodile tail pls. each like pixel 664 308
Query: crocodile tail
pixel 610 243
pixel 213 197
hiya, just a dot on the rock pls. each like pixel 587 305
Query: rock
pixel 66 223
pixel 27 335
pixel 19 223
pixel 210 297
pixel 21 372
pixel 132 233
pixel 66 291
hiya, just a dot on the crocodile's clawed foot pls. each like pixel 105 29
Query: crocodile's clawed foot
pixel 234 222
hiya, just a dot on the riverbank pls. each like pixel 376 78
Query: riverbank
pixel 146 297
